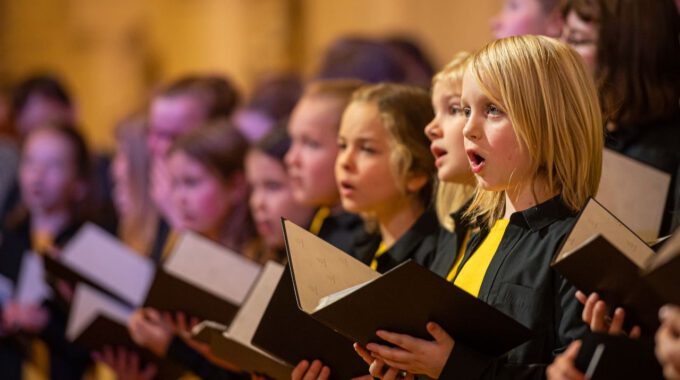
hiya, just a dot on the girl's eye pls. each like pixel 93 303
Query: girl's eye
pixel 310 143
pixel 190 182
pixel 273 185
pixel 575 41
pixel 455 109
pixel 467 111
pixel 342 145
pixel 493 110
pixel 368 149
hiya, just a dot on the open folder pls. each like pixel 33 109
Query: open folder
pixel 604 357
pixel 96 320
pixel 348 296
pixel 635 192
pixel 95 257
pixel 601 254
pixel 202 279
pixel 233 343
pixel 293 335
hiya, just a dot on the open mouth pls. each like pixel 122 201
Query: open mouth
pixel 346 185
pixel 477 162
pixel 346 188
pixel 437 151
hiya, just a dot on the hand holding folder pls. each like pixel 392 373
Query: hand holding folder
pixel 98 321
pixel 202 279
pixel 359 301
pixel 602 255
pixel 233 344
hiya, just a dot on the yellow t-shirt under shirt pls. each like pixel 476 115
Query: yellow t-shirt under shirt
pixel 472 274
pixel 317 221
pixel 382 248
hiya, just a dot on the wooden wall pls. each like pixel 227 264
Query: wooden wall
pixel 112 52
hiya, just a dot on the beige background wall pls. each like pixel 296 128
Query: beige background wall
pixel 112 52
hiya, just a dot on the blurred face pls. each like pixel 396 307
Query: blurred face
pixel 519 17
pixel 120 167
pixel 271 198
pixel 311 157
pixel 363 170
pixel 200 199
pixel 445 132
pixel 496 157
pixel 583 37
pixel 169 118
pixel 47 173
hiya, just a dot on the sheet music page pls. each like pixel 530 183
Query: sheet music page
pixel 212 267
pixel 105 260
pixel 595 219
pixel 634 192
pixel 247 319
pixel 319 268
pixel 31 286
pixel 87 304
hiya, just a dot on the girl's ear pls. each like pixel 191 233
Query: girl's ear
pixel 415 182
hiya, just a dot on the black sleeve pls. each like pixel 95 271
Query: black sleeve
pixel 179 351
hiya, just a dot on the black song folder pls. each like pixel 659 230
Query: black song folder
pixel 605 357
pixel 202 279
pixel 233 344
pixel 603 255
pixel 97 320
pixel 292 335
pixel 354 300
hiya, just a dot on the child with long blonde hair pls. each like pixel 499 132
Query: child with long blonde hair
pixel 534 141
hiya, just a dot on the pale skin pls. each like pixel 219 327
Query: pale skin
pixel 668 341
pixel 154 331
pixel 488 133
pixel 125 364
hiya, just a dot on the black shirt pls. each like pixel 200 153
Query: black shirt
pixel 419 244
pixel 342 230
pixel 520 282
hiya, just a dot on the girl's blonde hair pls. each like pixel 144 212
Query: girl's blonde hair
pixel 552 103
pixel 450 197
pixel 405 111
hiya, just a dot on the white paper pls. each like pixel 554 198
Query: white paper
pixel 31 286
pixel 212 267
pixel 106 261
pixel 87 304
